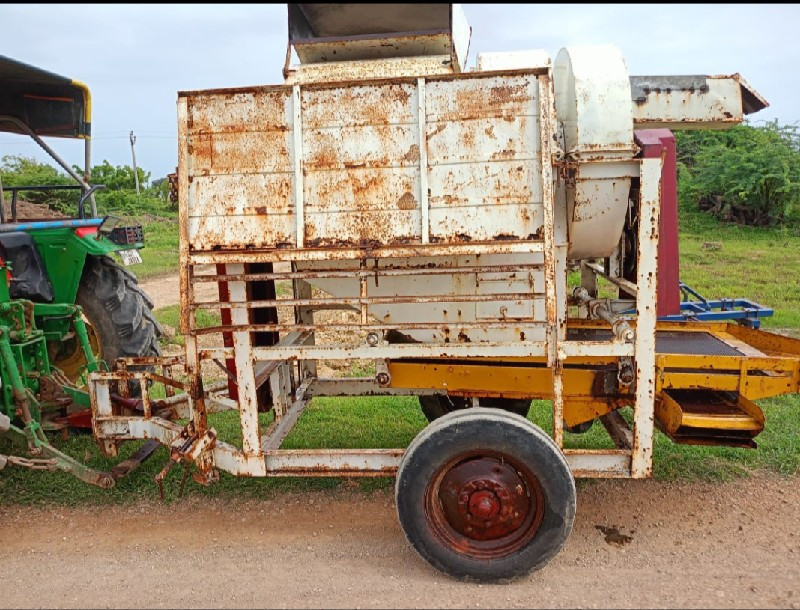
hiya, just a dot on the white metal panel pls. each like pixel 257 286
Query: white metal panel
pixel 239 166
pixel 593 105
pixel 646 281
pixel 461 33
pixel 512 60
pixel 483 158
pixel 238 110
pixel 240 210
pixel 361 154
pixel 676 102
pixel 450 312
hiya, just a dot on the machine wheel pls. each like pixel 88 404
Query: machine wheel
pixel 119 317
pixel 581 428
pixel 438 405
pixel 485 495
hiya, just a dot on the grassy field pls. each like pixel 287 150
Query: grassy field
pixel 756 264
pixel 716 260
pixel 160 254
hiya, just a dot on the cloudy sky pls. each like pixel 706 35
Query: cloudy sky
pixel 136 57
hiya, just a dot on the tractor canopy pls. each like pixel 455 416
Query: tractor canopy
pixel 49 104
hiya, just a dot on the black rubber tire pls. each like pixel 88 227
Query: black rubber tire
pixel 120 312
pixel 438 405
pixel 581 428
pixel 495 431
pixel 512 405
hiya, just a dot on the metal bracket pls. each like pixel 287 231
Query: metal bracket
pixel 188 446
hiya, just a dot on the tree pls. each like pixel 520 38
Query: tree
pixel 17 170
pixel 119 197
pixel 117 177
pixel 748 175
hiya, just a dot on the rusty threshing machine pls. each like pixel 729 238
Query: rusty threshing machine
pixel 387 204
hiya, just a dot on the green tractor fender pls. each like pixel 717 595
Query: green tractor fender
pixel 75 256
pixel 65 247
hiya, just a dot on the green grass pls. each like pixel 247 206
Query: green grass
pixel 758 264
pixel 778 446
pixel 160 253
pixel 170 316
pixel 339 423
pixel 385 422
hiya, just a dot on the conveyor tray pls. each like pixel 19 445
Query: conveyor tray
pixel 709 417
pixel 667 341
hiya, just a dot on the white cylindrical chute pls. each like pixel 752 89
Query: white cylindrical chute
pixel 595 117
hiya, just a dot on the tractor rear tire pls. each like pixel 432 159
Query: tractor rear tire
pixel 118 310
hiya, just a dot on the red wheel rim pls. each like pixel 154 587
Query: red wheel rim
pixel 484 505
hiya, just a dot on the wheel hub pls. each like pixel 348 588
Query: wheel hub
pixel 485 499
pixel 483 505
pixel 70 357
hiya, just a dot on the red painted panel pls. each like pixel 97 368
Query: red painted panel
pixel 84 231
pixel 661 143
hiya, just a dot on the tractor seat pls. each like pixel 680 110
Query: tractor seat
pixel 28 275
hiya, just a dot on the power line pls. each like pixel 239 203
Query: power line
pixel 124 137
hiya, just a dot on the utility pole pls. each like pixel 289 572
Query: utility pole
pixel 133 154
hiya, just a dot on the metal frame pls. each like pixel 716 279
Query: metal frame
pixel 83 182
pixel 742 310
pixel 288 365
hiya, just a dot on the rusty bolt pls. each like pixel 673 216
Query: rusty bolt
pixel 625 375
pixel 519 490
pixel 373 339
pixel 383 378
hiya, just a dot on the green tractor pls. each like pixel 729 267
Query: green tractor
pixel 66 307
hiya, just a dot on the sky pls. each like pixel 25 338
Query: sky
pixel 135 58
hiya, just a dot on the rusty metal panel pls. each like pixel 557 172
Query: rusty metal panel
pixel 238 110
pixel 353 104
pixel 361 165
pixel 646 299
pixel 238 210
pixel 483 158
pixel 697 101
pixel 353 164
pixel 506 282
pixel 396 67
pixel 240 169
pixel 241 152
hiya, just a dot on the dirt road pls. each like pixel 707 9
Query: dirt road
pixel 691 545
pixel 165 291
